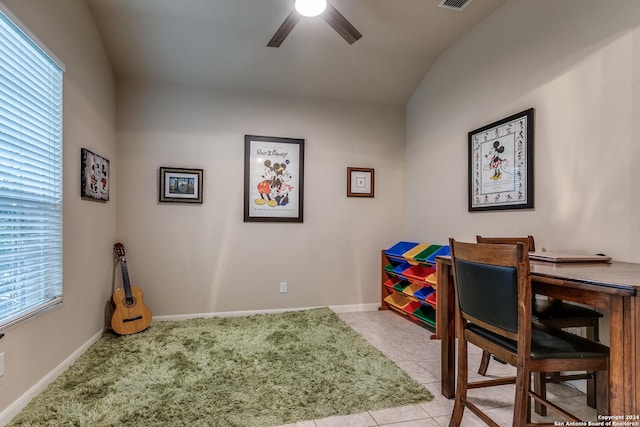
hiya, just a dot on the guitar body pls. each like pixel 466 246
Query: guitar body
pixel 129 318
pixel 130 315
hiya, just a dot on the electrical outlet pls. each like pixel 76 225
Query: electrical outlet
pixel 283 287
pixel 1 364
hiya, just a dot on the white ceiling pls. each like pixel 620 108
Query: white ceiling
pixel 222 44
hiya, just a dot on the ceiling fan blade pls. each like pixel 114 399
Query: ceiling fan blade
pixel 340 24
pixel 284 29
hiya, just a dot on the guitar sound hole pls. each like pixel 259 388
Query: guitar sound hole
pixel 129 303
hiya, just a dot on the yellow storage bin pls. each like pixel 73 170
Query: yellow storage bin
pixel 431 279
pixel 410 254
pixel 411 289
pixel 397 300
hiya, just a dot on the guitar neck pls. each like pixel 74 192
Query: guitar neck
pixel 125 279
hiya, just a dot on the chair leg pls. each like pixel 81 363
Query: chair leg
pixel 593 334
pixel 461 388
pixel 521 404
pixel 540 387
pixel 602 393
pixel 484 363
pixel 592 386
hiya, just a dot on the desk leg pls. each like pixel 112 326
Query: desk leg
pixel 617 356
pixel 635 324
pixel 445 304
pixel 631 319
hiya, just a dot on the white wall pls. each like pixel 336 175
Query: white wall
pixel 204 258
pixel 577 63
pixel 32 349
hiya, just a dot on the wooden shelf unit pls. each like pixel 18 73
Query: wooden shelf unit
pixel 409 285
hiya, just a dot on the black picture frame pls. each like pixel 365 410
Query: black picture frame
pixel 501 164
pixel 180 185
pixel 273 179
pixel 94 176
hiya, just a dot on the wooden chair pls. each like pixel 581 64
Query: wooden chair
pixel 492 285
pixel 557 314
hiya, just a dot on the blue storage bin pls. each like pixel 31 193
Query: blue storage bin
pixel 443 251
pixel 424 292
pixel 397 250
pixel 400 268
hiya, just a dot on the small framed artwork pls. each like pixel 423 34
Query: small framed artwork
pixel 360 182
pixel 501 164
pixel 179 185
pixel 273 179
pixel 94 176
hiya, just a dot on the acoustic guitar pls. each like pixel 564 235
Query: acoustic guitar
pixel 130 315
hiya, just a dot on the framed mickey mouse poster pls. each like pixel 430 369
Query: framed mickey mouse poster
pixel 94 176
pixel 501 164
pixel 273 179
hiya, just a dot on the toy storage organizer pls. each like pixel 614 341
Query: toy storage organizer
pixel 409 281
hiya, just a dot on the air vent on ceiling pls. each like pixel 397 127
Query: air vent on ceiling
pixel 454 4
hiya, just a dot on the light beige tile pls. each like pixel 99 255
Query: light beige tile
pixel 438 406
pixel 310 423
pixel 357 420
pixel 402 413
pixel 425 422
pixel 417 372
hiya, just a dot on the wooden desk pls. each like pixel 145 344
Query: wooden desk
pixel 614 287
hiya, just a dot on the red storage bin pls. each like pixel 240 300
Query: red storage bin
pixel 418 273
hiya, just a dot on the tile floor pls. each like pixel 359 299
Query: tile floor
pixel 411 348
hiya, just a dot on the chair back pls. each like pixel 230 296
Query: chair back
pixel 492 284
pixel 509 241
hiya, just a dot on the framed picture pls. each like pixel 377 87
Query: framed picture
pixel 273 179
pixel 178 185
pixel 94 176
pixel 360 182
pixel 501 164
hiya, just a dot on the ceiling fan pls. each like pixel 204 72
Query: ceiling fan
pixel 314 8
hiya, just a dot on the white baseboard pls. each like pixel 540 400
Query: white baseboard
pixel 337 308
pixel 13 409
pixel 353 308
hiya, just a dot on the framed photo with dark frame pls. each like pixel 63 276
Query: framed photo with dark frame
pixel 501 164
pixel 180 185
pixel 94 176
pixel 360 182
pixel 273 179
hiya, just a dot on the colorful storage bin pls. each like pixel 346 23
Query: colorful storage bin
pixel 418 273
pixel 422 256
pixel 397 300
pixel 400 268
pixel 391 282
pixel 443 251
pixel 411 253
pixel 431 300
pixel 424 292
pixel 426 314
pixel 432 280
pixel 397 250
pixel 411 307
pixel 411 289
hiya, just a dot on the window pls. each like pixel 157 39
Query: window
pixel 30 175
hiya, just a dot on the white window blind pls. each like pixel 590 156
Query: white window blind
pixel 30 176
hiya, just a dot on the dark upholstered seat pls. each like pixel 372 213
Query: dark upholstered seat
pixel 558 314
pixel 494 299
pixel 548 310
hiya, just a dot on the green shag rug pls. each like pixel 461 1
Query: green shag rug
pixel 261 370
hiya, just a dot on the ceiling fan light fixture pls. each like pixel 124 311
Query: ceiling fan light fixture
pixel 310 8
